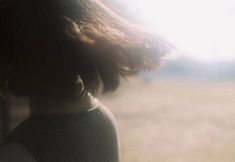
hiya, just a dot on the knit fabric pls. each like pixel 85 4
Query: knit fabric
pixel 88 136
pixel 15 152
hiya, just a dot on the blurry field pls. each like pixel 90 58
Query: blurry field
pixel 175 121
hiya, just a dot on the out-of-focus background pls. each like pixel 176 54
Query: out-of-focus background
pixel 185 110
pixel 175 120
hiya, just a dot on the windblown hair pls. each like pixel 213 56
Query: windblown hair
pixel 47 44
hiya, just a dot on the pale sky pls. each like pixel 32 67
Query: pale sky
pixel 200 29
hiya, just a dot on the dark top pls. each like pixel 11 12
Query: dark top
pixel 88 136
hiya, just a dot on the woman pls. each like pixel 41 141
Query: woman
pixel 58 53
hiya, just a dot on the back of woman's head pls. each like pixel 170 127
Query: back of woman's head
pixel 46 45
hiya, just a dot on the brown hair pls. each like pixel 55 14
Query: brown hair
pixel 47 44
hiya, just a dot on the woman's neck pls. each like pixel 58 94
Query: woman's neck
pixel 44 105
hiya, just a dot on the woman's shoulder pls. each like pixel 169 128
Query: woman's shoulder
pixel 15 152
pixel 83 134
pixel 98 117
pixel 107 114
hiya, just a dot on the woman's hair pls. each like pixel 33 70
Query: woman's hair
pixel 47 45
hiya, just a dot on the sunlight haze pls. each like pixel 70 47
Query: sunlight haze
pixel 200 29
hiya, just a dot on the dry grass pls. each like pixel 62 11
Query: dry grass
pixel 175 121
